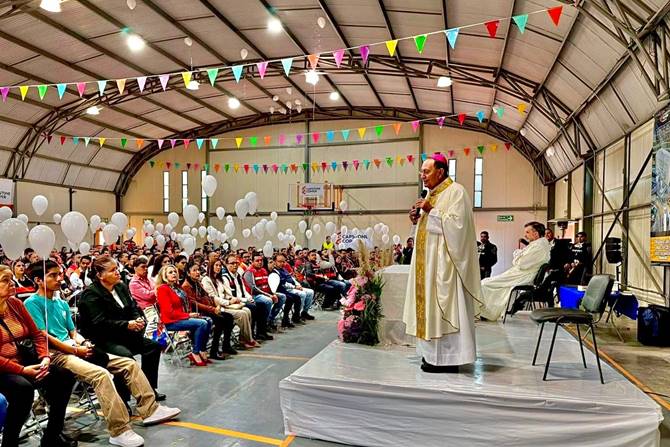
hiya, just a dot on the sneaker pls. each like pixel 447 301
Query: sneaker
pixel 307 316
pixel 127 439
pixel 161 414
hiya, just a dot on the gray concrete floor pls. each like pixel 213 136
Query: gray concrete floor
pixel 240 396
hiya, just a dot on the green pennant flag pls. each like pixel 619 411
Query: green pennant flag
pixel 206 167
pixel 253 141
pixel 177 165
pixel 42 90
pixel 284 168
pixel 389 161
pixel 480 149
pixel 379 130
pixel 152 163
pixel 420 42
pixel 521 22
pixel 366 163
pixel 226 167
pixel 212 73
pixel 124 141
pixel 305 166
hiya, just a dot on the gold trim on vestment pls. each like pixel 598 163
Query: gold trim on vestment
pixel 420 253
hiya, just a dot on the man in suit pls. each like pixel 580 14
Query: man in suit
pixel 488 255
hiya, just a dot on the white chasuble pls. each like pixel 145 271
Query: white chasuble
pixel 443 291
pixel 525 264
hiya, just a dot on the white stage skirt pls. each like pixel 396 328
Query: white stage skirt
pixel 392 328
pixel 365 396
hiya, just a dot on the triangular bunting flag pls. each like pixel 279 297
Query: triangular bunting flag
pixel 298 138
pixel 461 118
pixel 267 140
pixel 452 35
pixel 124 141
pixel 391 46
pixel 61 90
pixel 361 132
pixel 275 168
pixel 265 168
pixel 365 52
pixel 378 162
pixel 396 128
pixel 246 168
pixel 188 166
pixel 173 143
pixel 206 167
pixel 186 76
pixel 217 167
pixel 262 68
pixel 253 141
pixel 212 73
pixel 282 139
pixel 520 22
pixel 356 163
pixel 287 64
pixel 42 90
pixel 339 55
pixel 4 91
pixel 81 88
pixel 236 168
pixel 555 14
pixel 451 154
pixel 494 147
pixel 141 82
pixel 214 142
pixel 152 163
pixel 389 161
pixel 345 165
pixel 313 60
pixel 508 146
pixel 121 85
pixel 86 141
pixel 333 165
pixel 75 140
pixel 238 141
pixel 324 166
pixel 160 143
pixel 305 166
pixel 62 139
pixel 410 158
pixel 480 116
pixel 379 129
pixel 521 108
pixel 345 134
pixel 415 125
pixel 466 151
pixel 24 91
pixel 440 121
pixel 101 141
pixel 315 166
pixel 168 164
pixel 315 137
pixel 480 149
pixel 49 138
pixel 237 71
pixel 226 167
pixel 139 143
pixel 102 85
pixel 492 27
pixel 420 42
pixel 178 165
pixel 500 111
pixel 330 135
pixel 164 78
pixel 186 142
pixel 198 143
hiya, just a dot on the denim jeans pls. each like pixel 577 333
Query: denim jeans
pixel 306 297
pixel 3 411
pixel 199 329
pixel 277 307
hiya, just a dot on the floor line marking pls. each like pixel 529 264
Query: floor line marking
pixel 287 441
pixel 628 375
pixel 274 357
pixel 230 433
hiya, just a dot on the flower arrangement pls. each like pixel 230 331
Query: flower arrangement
pixel 362 305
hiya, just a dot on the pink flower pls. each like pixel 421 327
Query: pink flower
pixel 360 306
pixel 340 327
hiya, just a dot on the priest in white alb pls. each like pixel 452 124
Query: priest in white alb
pixel 443 291
pixel 525 265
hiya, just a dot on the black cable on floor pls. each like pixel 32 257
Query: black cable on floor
pixel 657 394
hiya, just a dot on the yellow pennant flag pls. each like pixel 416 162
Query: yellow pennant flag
pixel 121 85
pixel 24 91
pixel 236 168
pixel 102 141
pixel 391 45
pixel 314 166
pixel 521 108
pixel 361 132
pixel 399 159
pixel 494 147
pixel 159 164
pixel 186 75
pixel 238 141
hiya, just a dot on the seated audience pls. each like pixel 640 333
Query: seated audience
pixel 320 280
pixel 143 291
pixel 256 279
pixel 289 286
pixel 79 278
pixel 24 285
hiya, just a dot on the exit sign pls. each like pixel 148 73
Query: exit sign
pixel 505 218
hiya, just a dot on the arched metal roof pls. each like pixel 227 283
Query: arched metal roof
pixel 588 81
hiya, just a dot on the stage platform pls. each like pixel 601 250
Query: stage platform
pixel 366 396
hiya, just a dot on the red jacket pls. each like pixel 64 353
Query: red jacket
pixel 170 305
pixel 17 312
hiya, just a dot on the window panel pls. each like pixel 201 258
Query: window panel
pixel 166 191
pixel 452 168
pixel 184 189
pixel 203 196
pixel 478 199
pixel 479 180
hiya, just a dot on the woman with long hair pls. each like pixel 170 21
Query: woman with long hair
pixel 24 285
pixel 173 306
pixel 159 262
pixel 213 285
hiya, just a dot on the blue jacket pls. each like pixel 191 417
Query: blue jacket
pixel 285 278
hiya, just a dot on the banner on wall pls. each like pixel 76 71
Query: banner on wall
pixel 312 190
pixel 660 190
pixel 6 192
pixel 350 240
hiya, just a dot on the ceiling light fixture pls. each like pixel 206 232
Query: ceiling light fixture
pixel 274 25
pixel 334 96
pixel 193 85
pixel 550 151
pixel 311 77
pixel 444 81
pixel 233 103
pixel 523 131
pixel 93 110
pixel 135 42
pixel 50 5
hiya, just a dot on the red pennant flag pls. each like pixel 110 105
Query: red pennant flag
pixel 356 163
pixel 275 168
pixel 188 165
pixel 294 167
pixel 186 143
pixel 315 137
pixel 396 127
pixel 62 140
pixel 466 151
pixel 410 158
pixel 324 166
pixel 461 118
pixel 451 154
pixel 267 139
pixel 49 138
pixel 492 26
pixel 196 166
pixel 246 168
pixel 508 146
pixel 377 162
pixel 168 164
pixel 555 14
pixel 217 167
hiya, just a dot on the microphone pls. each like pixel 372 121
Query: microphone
pixel 417 212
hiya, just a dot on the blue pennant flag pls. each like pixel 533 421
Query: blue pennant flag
pixel 452 35
pixel 521 22
pixel 287 63
pixel 330 135
pixel 345 134
pixel 237 71
pixel 480 116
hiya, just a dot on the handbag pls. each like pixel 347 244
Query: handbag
pixel 25 348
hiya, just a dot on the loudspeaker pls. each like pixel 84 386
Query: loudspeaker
pixel 613 250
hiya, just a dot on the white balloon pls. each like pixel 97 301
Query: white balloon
pixel 289 231
pixel 241 208
pixel 271 227
pixel 94 223
pixel 330 227
pixel 74 226
pixel 344 206
pixel 385 229
pixel 202 231
pixel 72 245
pixel 316 228
pixel 173 235
pixel 13 237
pixel 260 230
pixel 234 243
pixel 355 231
pixel 160 227
pixel 40 204
pixel 344 230
pixel 42 239
pixel 23 218
pixel 252 200
pixel 291 239
pixel 246 232
pixel 201 217
pixel 220 213
pixel 131 232
pixel 101 225
pixel 160 241
pixel 396 239
pixel 190 214
pixel 148 228
pixel 194 232
pixel 385 238
pixel 189 244
pixel 131 4
pixel 57 218
pixel 229 229
pixel 84 248
pixel 149 242
pixel 369 232
pixel 5 213
pixel 120 220
pixel 378 227
pixel 209 185
pixel 229 218
pixel 267 251
pixel 110 233
pixel 244 53
pixel 173 219
pixel 168 229
pixel 273 215
pixel 320 21
pixel 186 229
pixel 308 234
pixel 280 237
pixel 225 246
pixel 302 226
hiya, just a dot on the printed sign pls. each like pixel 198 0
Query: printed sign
pixel 505 218
pixel 312 190
pixel 660 190
pixel 350 240
pixel 6 192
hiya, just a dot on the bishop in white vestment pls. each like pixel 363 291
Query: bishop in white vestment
pixel 525 265
pixel 443 291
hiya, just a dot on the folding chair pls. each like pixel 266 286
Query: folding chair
pixel 179 346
